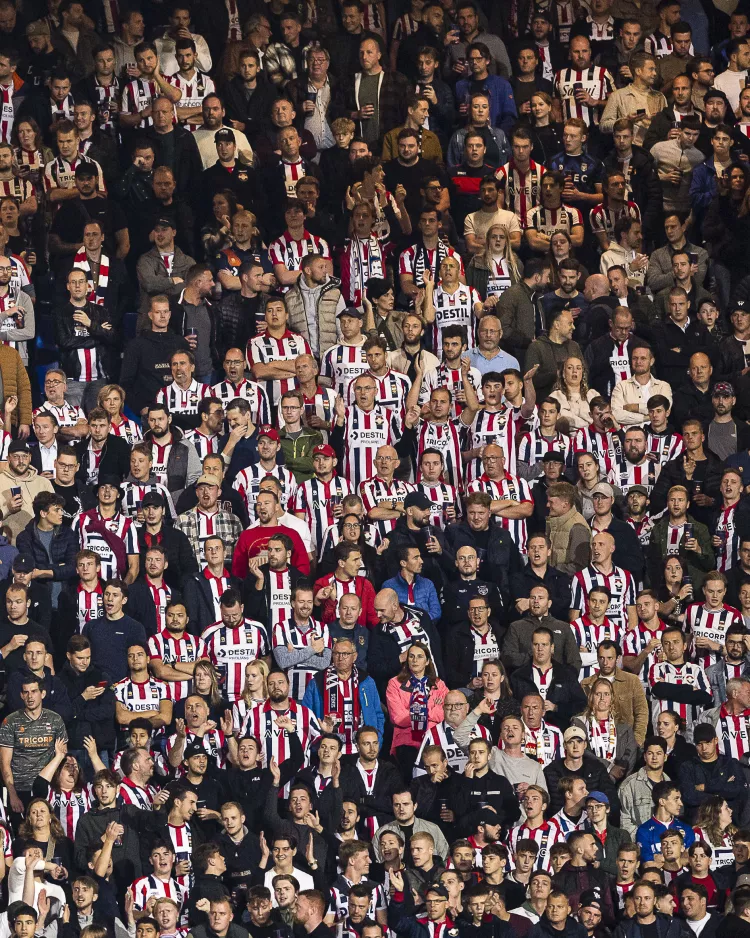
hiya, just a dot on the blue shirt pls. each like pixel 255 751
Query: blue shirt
pixel 648 834
pixel 499 362
pixel 503 111
pixel 109 643
pixel 425 594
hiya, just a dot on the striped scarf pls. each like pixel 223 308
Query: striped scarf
pixel 96 294
pixel 347 714
pixel 417 703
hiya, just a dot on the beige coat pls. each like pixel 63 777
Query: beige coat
pixel 631 392
pixel 30 487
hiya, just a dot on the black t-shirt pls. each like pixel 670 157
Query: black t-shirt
pixel 14 659
pixel 72 501
pixel 411 178
pixel 73 216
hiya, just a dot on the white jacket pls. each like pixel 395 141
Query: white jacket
pixel 631 392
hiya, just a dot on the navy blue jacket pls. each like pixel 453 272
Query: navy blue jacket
pixel 63 550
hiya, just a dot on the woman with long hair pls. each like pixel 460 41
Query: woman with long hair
pixel 30 152
pixel 112 399
pixel 353 530
pixel 61 784
pixel 496 268
pixel 674 594
pixel 546 133
pixel 714 824
pixel 43 827
pixel 415 704
pixel 254 692
pixel 217 233
pixel 726 228
pixel 572 392
pixel 10 216
pixel 610 738
pixel 670 726
pixel 205 684
pixel 495 689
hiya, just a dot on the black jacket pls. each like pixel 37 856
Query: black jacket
pixel 502 560
pixel 90 717
pixel 437 567
pixel 145 366
pixel 458 593
pixel 564 691
pixel 459 664
pixel 186 163
pixel 115 458
pixel 707 472
pixel 597 355
pixel 61 558
pixel 383 654
pixel 558 584
pixel 199 601
pixel 593 771
pixel 69 341
pixel 725 777
pixel 56 699
pixel 645 187
pixel 141 605
pixel 379 804
pixel 628 551
pixel 180 555
pixel 254 112
pixel 674 349
pixel 575 880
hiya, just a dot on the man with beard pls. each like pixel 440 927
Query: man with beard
pixel 458 592
pixel 634 468
pixel 213 120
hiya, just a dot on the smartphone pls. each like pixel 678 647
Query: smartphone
pixel 688 529
pixel 311 96
pixel 15 490
pixel 693 255
pixel 102 684
pixel 577 86
pixel 641 112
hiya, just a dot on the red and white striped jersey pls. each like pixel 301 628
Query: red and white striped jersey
pixel 407 631
pixel 147 886
pixel 494 426
pixel 606 448
pixel 595 81
pixel 662 672
pixel 391 390
pixel 120 525
pixel 7 111
pixel 164 647
pixel 642 528
pixel 60 173
pixel 619 360
pixel 274 743
pixel 90 604
pixel 522 189
pixel 140 696
pixel 194 90
pixel 251 391
pixel 364 432
pixel 728 554
pixel 660 45
pixel 264 349
pixel 588 635
pixel 137 95
pixel 568 825
pixel 128 430
pixel 160 459
pixel 205 444
pixel 442 735
pixel 622 890
pixel 231 649
pixel 133 494
pixel 404 26
pixel 665 446
pixel 213 741
pixel 546 836
pixel 141 796
pixel 626 474
pixel 454 309
pixel 711 624
pixel 285 250
pixel 322 404
pixel 602 218
pixel 723 854
pixel 453 380
pixel 733 733
pixel 248 482
pixel 445 437
pixel 376 490
pixel 69 807
pixel 279 595
pixel 633 643
pixel 312 499
pixel 181 401
pixel 417 258
pixel 342 364
pixel 532 446
pixel 510 487
pixel 182 843
pixel 360 259
pixel 289 633
pixel 619 582
pixel 442 496
pixel 68 415
pixel 16 188
pixel 549 220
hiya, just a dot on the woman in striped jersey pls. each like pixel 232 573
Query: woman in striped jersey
pixel 62 785
pixel 714 825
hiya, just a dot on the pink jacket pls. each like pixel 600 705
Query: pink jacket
pixel 397 700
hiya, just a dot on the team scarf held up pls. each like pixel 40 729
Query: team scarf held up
pixel 96 294
pixel 347 712
pixel 418 703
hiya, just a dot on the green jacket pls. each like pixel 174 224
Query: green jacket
pixel 697 564
pixel 298 453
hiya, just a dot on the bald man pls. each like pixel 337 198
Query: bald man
pixel 602 572
pixel 397 628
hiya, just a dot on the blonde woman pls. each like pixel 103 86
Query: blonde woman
pixel 610 738
pixel 254 692
pixel 573 393
pixel 496 268
pixel 112 399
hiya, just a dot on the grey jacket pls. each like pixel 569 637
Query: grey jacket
pixel 659 274
pixel 717 678
pixel 549 356
pixel 636 802
pixel 517 644
pixel 626 749
pixel 441 844
pixel 153 278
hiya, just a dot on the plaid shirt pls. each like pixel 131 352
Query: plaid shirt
pixel 278 60
pixel 226 526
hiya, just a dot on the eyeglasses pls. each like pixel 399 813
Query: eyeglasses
pixel 459 706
